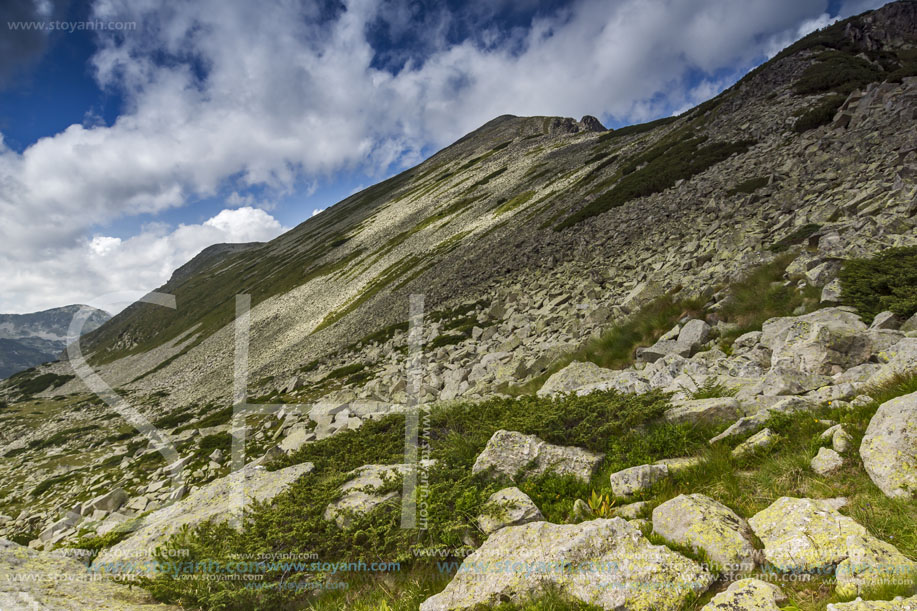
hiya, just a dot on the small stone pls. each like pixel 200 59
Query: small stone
pixel 758 441
pixel 827 461
pixel 637 479
pixel 885 320
pixel 508 507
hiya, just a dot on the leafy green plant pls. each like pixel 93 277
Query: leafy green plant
pixel 712 389
pixel 887 281
pixel 836 71
pixel 821 114
pixel 601 505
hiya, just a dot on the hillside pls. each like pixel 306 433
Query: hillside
pixel 706 319
pixel 27 340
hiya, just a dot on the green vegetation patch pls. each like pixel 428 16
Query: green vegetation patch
pixel 631 130
pixel 836 71
pixel 514 203
pixel 821 114
pixel 29 384
pixel 679 157
pixel 885 282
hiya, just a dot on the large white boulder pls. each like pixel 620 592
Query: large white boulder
pixel 747 595
pixel 825 342
pixel 889 447
pixel 701 523
pixel 508 507
pixel 509 452
pixel 606 563
pixel 574 376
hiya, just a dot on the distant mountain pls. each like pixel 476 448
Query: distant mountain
pixel 27 340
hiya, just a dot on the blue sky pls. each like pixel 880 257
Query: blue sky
pixel 125 150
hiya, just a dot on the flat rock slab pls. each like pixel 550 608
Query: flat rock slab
pixel 607 563
pixel 41 581
pixel 216 501
pixel 637 479
pixel 889 448
pixel 705 411
pixel 508 507
pixel 575 375
pixel 747 595
pixel 898 604
pixel 701 523
pixel 803 535
pixel 509 452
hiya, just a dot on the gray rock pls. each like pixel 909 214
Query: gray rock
pixel 747 595
pixel 575 375
pixel 804 535
pixel 111 501
pixel 675 465
pixel 71 590
pixel 910 325
pixel 704 524
pixel 637 479
pixel 759 441
pixel 886 320
pixel 508 507
pixel 661 349
pixel 827 461
pixel 532 554
pixel 640 295
pixel 781 381
pixel 582 511
pixel 831 293
pixel 509 452
pixel 870 564
pixel 630 511
pixel 297 437
pixel 889 447
pixel 898 604
pixel 823 342
pixel 899 359
pixel 704 411
pixel 694 333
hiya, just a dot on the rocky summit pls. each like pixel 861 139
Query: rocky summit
pixel 554 366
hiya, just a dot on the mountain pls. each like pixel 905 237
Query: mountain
pixel 685 342
pixel 27 340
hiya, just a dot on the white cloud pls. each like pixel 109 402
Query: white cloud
pixel 261 94
pixel 96 267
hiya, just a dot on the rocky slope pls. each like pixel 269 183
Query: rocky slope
pixel 27 340
pixel 532 239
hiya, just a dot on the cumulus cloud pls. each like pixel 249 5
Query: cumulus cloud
pixel 227 95
pixel 90 271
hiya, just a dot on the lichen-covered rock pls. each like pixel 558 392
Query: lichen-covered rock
pixel 705 411
pixel 870 564
pixel 694 333
pixel 827 461
pixel 889 447
pixel 755 422
pixel 508 507
pixel 823 342
pixel 886 320
pixel 840 439
pixel 509 452
pixel 704 524
pixel 637 479
pixel 680 463
pixel 31 580
pixel 575 375
pixel 804 535
pixel 362 492
pixel 759 441
pixel 898 604
pixel 747 595
pixel 215 501
pixel 899 359
pixel 662 349
pixel 607 563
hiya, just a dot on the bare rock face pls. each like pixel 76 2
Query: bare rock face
pixel 508 507
pixel 508 452
pixel 823 342
pixel 606 563
pixel 42 581
pixel 747 595
pixel 699 522
pixel 574 376
pixel 215 501
pixel 889 448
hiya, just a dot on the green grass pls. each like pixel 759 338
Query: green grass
pixel 887 281
pixel 822 114
pixel 838 72
pixel 514 203
pixel 679 156
pixel 29 384
pixel 762 294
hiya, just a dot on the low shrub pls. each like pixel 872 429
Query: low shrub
pixel 885 282
pixel 821 114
